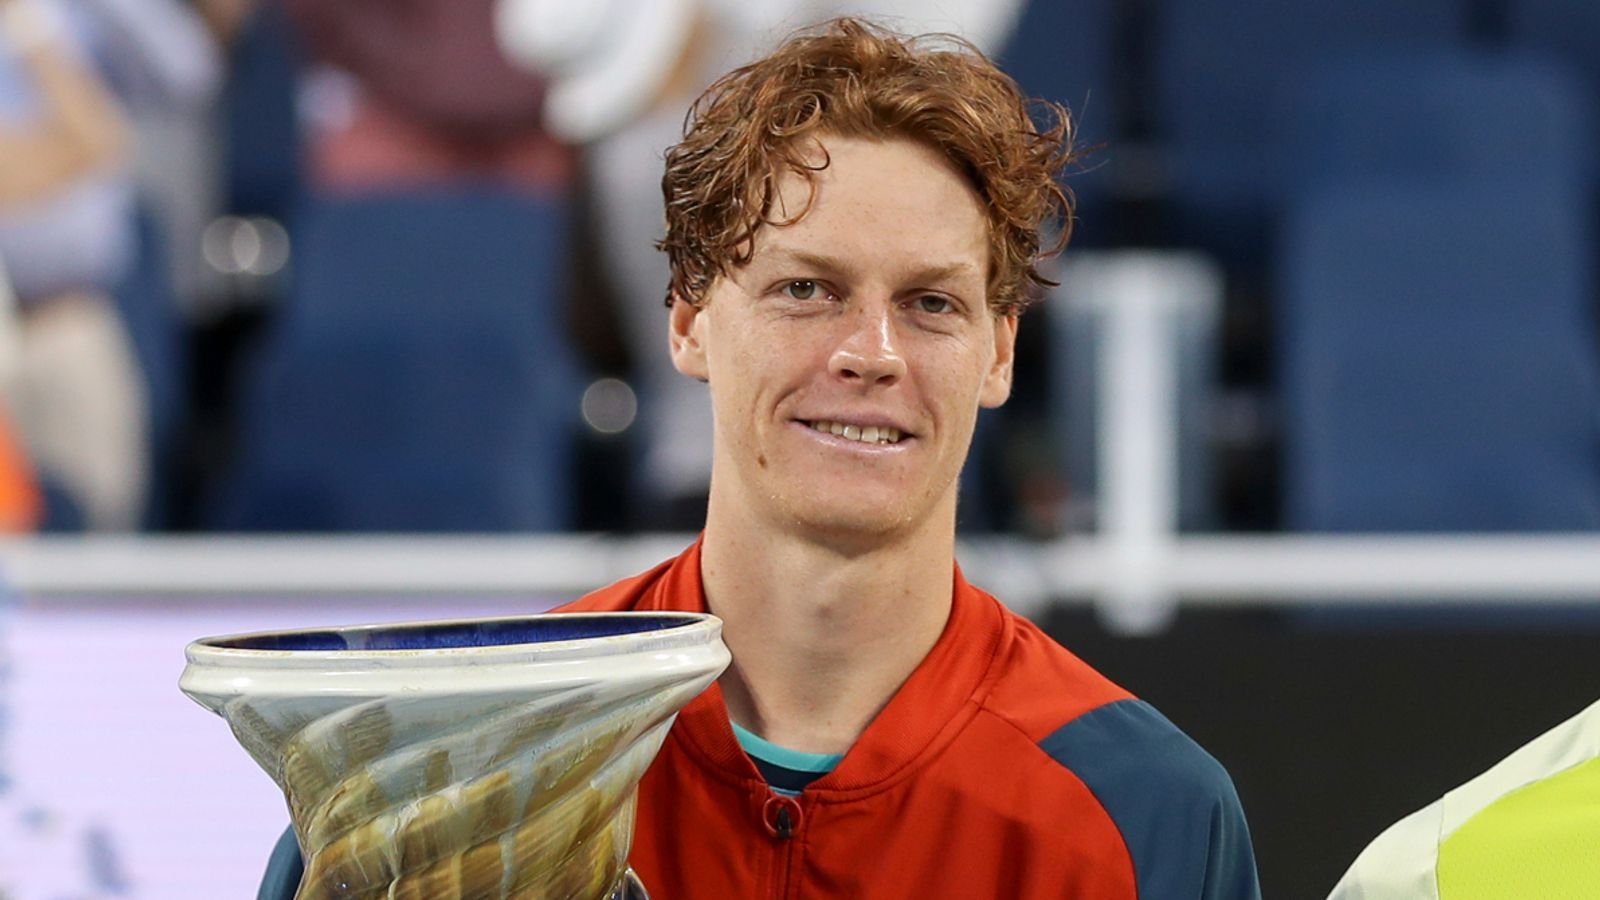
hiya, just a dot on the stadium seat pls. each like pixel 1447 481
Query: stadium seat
pixel 1063 50
pixel 1220 67
pixel 1568 28
pixel 1492 117
pixel 420 379
pixel 262 166
pixel 1438 360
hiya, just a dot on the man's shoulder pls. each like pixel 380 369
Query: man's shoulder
pixel 1128 747
pixel 1173 803
pixel 1118 744
pixel 1038 685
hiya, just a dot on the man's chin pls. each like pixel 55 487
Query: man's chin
pixel 855 528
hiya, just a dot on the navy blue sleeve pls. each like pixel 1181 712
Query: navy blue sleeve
pixel 1174 804
pixel 284 869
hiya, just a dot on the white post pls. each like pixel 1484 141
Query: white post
pixel 1139 298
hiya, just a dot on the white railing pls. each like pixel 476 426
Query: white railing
pixel 1029 576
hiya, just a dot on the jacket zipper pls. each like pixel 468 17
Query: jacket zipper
pixel 782 817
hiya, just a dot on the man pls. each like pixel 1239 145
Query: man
pixel 853 224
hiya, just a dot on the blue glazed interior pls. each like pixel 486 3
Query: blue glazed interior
pixel 447 635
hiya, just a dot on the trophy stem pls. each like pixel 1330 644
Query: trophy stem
pixel 631 888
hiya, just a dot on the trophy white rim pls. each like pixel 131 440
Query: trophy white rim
pixel 679 651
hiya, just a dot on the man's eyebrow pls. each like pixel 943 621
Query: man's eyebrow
pixel 945 272
pixel 804 259
pixel 827 265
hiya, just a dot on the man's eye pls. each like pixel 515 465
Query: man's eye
pixel 933 303
pixel 801 290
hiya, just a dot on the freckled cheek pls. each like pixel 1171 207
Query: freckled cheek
pixel 956 413
pixel 744 416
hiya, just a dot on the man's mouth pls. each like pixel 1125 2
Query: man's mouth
pixel 866 434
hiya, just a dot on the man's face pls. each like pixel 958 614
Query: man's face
pixel 848 359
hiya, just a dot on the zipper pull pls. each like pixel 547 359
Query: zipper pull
pixel 781 815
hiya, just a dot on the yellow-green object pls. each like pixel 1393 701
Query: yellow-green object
pixel 1542 840
pixel 1527 829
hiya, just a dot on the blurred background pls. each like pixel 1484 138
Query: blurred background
pixel 317 313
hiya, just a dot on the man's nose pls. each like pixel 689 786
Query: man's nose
pixel 869 349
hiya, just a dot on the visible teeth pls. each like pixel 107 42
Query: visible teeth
pixel 867 434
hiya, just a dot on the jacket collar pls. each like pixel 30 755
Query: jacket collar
pixel 934 704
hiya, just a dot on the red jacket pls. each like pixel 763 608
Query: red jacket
pixel 1004 767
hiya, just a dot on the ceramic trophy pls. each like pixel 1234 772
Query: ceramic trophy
pixel 488 758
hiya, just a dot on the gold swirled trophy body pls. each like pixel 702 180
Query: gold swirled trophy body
pixel 494 758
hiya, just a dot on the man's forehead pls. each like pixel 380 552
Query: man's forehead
pixel 820 244
pixel 863 161
pixel 891 204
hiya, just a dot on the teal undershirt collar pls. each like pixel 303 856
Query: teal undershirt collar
pixel 798 760
pixel 787 771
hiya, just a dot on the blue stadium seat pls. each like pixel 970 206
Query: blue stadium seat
pixel 1438 360
pixel 1062 50
pixel 1492 117
pixel 1568 28
pixel 1220 67
pixel 421 378
pixel 262 171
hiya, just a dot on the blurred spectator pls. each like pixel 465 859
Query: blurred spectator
pixel 416 92
pixel 160 59
pixel 623 73
pixel 20 504
pixel 226 19
pixel 65 234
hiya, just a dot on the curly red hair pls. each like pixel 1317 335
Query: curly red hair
pixel 856 79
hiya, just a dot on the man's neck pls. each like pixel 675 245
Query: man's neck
pixel 822 633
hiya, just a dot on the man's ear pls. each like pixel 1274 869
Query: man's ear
pixel 997 384
pixel 687 333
